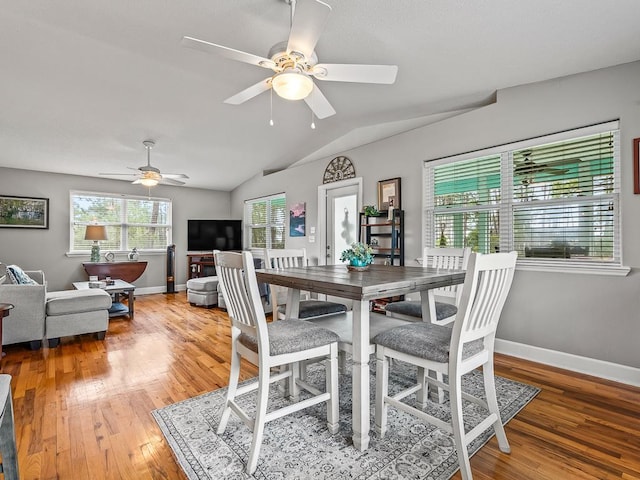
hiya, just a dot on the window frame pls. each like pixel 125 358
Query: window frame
pixel 249 226
pixel 124 225
pixel 507 206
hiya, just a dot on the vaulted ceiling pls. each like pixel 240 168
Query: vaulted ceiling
pixel 85 82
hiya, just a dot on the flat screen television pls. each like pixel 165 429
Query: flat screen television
pixel 207 235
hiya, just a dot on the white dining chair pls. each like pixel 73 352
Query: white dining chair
pixel 8 449
pixel 443 302
pixel 278 258
pixel 269 345
pixel 452 350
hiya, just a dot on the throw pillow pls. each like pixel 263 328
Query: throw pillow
pixel 18 277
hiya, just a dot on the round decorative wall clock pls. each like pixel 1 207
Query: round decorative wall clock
pixel 340 168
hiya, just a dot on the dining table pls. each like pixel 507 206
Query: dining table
pixel 378 281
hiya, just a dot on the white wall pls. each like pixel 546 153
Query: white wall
pixel 46 249
pixel 587 315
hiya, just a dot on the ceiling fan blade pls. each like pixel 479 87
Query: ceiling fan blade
pixel 309 20
pixel 119 174
pixel 174 175
pixel 319 104
pixel 227 52
pixel 249 93
pixel 171 181
pixel 337 72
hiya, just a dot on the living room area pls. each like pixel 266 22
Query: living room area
pixel 82 405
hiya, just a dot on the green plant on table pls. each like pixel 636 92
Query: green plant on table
pixel 358 254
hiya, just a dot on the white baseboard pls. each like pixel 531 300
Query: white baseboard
pixel 160 289
pixel 590 366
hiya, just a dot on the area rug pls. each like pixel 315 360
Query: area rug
pixel 298 446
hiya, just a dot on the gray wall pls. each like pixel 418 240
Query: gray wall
pixel 594 316
pixel 46 249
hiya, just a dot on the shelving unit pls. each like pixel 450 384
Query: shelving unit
pixel 387 233
pixel 387 236
pixel 200 265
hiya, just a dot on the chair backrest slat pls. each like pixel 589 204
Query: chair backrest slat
pixel 486 286
pixel 285 257
pixel 448 259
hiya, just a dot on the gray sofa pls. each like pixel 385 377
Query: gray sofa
pixel 38 314
pixel 25 323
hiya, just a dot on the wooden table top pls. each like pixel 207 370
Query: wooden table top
pixel 376 282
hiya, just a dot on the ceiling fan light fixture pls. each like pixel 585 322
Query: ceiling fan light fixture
pixel 149 182
pixel 292 85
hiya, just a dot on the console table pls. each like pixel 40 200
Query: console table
pixel 127 271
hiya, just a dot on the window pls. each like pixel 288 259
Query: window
pixel 264 219
pixel 552 199
pixel 131 221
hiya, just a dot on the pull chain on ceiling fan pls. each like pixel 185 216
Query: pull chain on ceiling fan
pixel 294 62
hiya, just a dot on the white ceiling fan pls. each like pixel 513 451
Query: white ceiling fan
pixel 148 175
pixel 294 62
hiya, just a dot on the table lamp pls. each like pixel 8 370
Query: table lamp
pixel 95 233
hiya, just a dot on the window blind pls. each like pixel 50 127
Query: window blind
pixel 141 222
pixel 554 201
pixel 265 221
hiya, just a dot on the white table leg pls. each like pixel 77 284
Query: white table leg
pixel 423 394
pixel 292 311
pixel 360 408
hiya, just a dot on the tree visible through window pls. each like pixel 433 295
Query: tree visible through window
pixel 264 219
pixel 551 201
pixel 141 222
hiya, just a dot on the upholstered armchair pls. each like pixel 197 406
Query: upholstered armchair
pixel 26 321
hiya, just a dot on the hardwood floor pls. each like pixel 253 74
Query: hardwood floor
pixel 82 411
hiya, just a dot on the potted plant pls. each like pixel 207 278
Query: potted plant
pixel 370 211
pixel 359 255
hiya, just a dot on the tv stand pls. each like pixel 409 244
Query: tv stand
pixel 200 264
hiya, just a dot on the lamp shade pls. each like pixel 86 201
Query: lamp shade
pixel 292 85
pixel 95 232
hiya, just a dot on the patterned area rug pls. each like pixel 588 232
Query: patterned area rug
pixel 298 446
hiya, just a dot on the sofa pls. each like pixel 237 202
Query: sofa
pixel 26 322
pixel 38 314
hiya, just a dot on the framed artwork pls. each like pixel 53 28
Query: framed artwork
pixel 297 220
pixel 636 165
pixel 24 212
pixel 389 191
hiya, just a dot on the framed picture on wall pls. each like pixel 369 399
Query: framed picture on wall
pixel 24 212
pixel 297 215
pixel 389 191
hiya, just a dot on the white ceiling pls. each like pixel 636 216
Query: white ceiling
pixel 84 82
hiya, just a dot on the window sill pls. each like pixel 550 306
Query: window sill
pixel 555 267
pixel 120 255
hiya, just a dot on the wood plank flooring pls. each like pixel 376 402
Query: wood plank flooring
pixel 82 410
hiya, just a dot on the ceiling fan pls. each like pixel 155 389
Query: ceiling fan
pixel 148 175
pixel 528 167
pixel 294 62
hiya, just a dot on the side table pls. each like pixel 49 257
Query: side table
pixel 5 308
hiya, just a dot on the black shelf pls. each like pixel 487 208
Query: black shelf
pixel 388 232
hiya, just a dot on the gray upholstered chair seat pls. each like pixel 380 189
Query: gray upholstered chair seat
pixel 288 336
pixel 424 340
pixel 316 308
pixel 413 308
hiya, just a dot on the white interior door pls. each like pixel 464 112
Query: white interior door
pixel 341 206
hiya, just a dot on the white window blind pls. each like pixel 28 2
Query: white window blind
pixel 141 222
pixel 265 221
pixel 553 199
